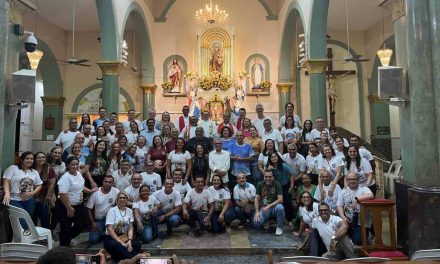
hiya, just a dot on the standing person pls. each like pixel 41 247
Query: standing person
pixel 363 152
pixel 171 144
pixel 306 138
pixel 241 156
pixel 131 117
pixel 269 202
pixel 179 158
pixel 145 213
pixel 320 126
pixel 244 196
pixel 274 134
pixel 361 167
pixel 99 203
pixel 246 127
pixel 83 151
pixel 219 161
pixel 133 133
pixel 66 138
pixel 99 135
pixel 111 123
pixel 290 133
pixel 199 139
pixel 334 135
pixel 20 184
pixel 325 138
pixel 198 208
pixel 183 120
pixel 150 178
pixel 209 127
pixel 130 155
pixel 150 132
pixel 223 210
pixel 288 108
pixel 96 165
pixel 141 154
pixel 333 232
pixel 70 207
pixel 132 191
pixel 87 131
pixel 171 205
pixel 226 123
pixel 85 120
pixel 200 166
pixel 44 199
pixel 306 186
pixel 296 162
pixel 119 128
pixel 312 163
pixel 114 158
pixel 165 133
pixel 165 120
pixel 102 111
pixel 59 167
pixel 257 146
pixel 179 186
pixel 269 148
pixel 119 241
pixel 341 151
pixel 158 154
pixel 122 177
pixel 258 122
pixel 189 131
pixel 332 164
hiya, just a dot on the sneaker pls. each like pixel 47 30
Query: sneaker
pixel 266 226
pixel 228 229
pixel 197 232
pixel 241 225
pixel 279 231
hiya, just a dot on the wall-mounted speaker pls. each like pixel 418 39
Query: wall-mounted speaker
pixel 22 88
pixel 390 82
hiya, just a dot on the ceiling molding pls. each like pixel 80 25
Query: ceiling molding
pixel 270 15
pixel 162 18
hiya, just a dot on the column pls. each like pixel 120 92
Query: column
pixel 283 95
pixel 435 43
pixel 52 116
pixel 318 93
pixel 149 90
pixel 110 84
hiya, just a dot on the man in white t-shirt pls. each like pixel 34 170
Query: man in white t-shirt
pixel 274 134
pixel 198 207
pixel 122 176
pixel 131 117
pixel 181 188
pixel 319 127
pixel 101 201
pixel 133 189
pixel 244 196
pixel 219 161
pixel 258 122
pixel 66 138
pixel 330 200
pixel 296 161
pixel 333 232
pixel 289 107
pixel 150 178
pixel 171 206
pixel 348 207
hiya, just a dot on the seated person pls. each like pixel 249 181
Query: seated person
pixel 308 211
pixel 145 213
pixel 179 185
pixel 150 178
pixel 333 232
pixel 223 211
pixel 330 200
pixel 270 196
pixel 133 189
pixel 244 196
pixel 171 205
pixel 98 205
pixel 198 207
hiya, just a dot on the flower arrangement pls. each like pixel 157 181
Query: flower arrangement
pixel 222 83
pixel 167 86
pixel 190 75
pixel 265 85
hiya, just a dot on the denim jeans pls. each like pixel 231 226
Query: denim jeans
pixel 147 233
pixel 242 215
pixel 274 212
pixel 255 176
pixel 172 221
pixel 42 212
pixel 119 252
pixel 96 237
pixel 216 226
pixel 28 205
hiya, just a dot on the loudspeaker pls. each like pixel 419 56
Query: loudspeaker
pixel 390 82
pixel 22 88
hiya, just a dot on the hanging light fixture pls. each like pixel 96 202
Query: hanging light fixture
pixel 35 57
pixel 384 53
pixel 211 15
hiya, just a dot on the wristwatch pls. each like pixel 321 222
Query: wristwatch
pixel 334 238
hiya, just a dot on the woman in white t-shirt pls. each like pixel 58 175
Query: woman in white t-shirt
pixel 145 213
pixel 333 165
pixel 306 138
pixel 308 210
pixel 290 133
pixel 133 134
pixel 69 206
pixel 20 184
pixel 119 241
pixel 361 167
pixel 223 211
pixel 340 150
pixel 141 154
pixel 179 158
pixel 312 163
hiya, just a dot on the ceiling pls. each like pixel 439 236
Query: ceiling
pixel 363 14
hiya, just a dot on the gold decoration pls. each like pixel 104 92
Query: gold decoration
pixel 16 12
pixel 34 58
pixel 284 87
pixel 52 100
pixel 374 98
pixel 110 68
pixel 316 65
pixel 167 86
pixel 266 85
pixel 215 81
pixel 211 15
pixel 149 88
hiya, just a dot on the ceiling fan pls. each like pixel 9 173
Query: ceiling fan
pixel 349 57
pixel 72 60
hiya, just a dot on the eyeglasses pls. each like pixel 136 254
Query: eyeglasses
pixel 323 210
pixel 122 197
pixel 306 197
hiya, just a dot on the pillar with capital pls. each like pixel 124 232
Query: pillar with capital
pixel 283 95
pixel 110 84
pixel 149 90
pixel 318 94
pixel 52 115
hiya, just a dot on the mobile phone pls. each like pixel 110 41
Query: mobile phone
pixel 87 259
pixel 155 260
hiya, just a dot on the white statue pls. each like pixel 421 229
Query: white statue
pixel 257 73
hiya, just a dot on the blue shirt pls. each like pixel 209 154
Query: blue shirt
pixel 243 151
pixel 149 136
pixel 227 144
pixel 282 175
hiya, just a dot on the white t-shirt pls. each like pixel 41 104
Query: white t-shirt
pixel 21 181
pixel 102 202
pixel 312 163
pixel 133 193
pixel 119 219
pixel 153 180
pixel 73 185
pixel 331 165
pixel 275 135
pixel 121 181
pixel 298 164
pixel 362 172
pixel 219 197
pixel 59 169
pixel 346 197
pixel 258 123
pixel 66 139
pixel 168 201
pixel 146 207
pixel 296 120
pixel 131 137
pixel 340 154
pixel 326 230
pixel 199 201
pixel 317 134
pixel 333 143
pixel 365 153
pixel 290 133
pixel 331 201
pixel 182 189
pixel 309 216
pixel 127 122
pixel 248 193
pixel 308 136
pixel 179 160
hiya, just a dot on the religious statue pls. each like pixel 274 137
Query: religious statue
pixel 332 95
pixel 239 97
pixel 175 76
pixel 257 73
pixel 216 61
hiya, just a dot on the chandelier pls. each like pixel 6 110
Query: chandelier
pixel 211 15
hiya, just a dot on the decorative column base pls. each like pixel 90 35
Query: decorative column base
pixel 52 116
pixel 284 95
pixel 110 84
pixel 149 90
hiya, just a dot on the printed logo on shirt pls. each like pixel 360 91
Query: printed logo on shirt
pixel 150 206
pixel 110 200
pixel 333 166
pixel 316 161
pixel 154 182
pixel 220 196
pixel 171 201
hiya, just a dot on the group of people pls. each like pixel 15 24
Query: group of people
pixel 127 178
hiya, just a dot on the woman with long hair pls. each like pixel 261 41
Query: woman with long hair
pixel 333 165
pixel 306 138
pixel 325 138
pixel 308 210
pixel 179 158
pixel 44 201
pixel 119 241
pixel 246 126
pixel 106 126
pixel 341 151
pixel 130 155
pixel 85 120
pixel 141 154
pixel 227 138
pixel 114 158
pixel 133 134
pixel 200 165
pixel 171 144
pixel 223 211
pixel 290 133
pixel 99 135
pixel 21 184
pixel 145 213
pixel 257 146
pixel 158 154
pixel 283 174
pixel 361 167
pixel 166 133
pixel 165 120
pixel 123 142
pixel 96 165
pixel 312 163
pixel 269 148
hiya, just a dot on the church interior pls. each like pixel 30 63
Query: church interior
pixel 328 57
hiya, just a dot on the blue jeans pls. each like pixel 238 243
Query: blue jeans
pixel 119 252
pixel 216 226
pixel 274 212
pixel 42 212
pixel 28 205
pixel 147 233
pixel 242 215
pixel 96 237
pixel 172 221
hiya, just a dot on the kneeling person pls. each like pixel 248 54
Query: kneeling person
pixel 171 205
pixel 145 213
pixel 244 196
pixel 223 211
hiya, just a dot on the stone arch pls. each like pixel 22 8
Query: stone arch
pixel 169 59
